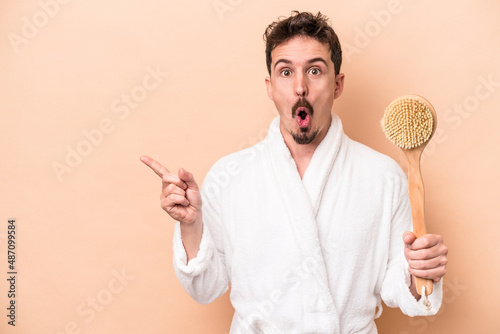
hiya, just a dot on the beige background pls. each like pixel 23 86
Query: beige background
pixel 68 70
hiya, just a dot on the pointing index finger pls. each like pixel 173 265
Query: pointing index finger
pixel 154 165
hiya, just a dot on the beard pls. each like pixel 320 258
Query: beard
pixel 303 137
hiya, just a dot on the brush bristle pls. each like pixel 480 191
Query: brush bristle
pixel 408 122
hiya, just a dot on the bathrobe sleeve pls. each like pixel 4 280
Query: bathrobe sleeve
pixel 395 290
pixel 203 277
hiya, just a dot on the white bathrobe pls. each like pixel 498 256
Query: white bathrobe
pixel 310 255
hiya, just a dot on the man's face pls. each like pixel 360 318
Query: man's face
pixel 303 86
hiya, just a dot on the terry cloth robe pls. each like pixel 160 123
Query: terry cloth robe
pixel 310 255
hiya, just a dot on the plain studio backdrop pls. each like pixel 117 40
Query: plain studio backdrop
pixel 86 87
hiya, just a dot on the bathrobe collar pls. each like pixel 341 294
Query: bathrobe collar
pixel 321 164
pixel 302 199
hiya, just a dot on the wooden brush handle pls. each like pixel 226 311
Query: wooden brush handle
pixel 416 192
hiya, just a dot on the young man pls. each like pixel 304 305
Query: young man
pixel 311 228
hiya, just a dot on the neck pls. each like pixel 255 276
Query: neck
pixel 302 154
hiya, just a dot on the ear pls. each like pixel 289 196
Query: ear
pixel 269 88
pixel 339 85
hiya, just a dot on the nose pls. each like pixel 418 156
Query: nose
pixel 301 85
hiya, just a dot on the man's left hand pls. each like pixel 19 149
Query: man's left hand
pixel 426 256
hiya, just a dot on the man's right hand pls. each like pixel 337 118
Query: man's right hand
pixel 180 196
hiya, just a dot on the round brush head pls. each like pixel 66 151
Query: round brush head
pixel 409 121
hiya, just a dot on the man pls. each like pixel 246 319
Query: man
pixel 309 228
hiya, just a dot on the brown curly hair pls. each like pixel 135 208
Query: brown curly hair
pixel 303 24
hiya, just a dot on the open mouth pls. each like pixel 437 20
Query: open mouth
pixel 302 111
pixel 303 118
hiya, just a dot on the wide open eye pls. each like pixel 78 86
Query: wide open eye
pixel 286 73
pixel 315 71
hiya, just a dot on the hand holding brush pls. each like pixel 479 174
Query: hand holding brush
pixel 409 122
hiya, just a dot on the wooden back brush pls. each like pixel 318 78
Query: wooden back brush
pixel 409 122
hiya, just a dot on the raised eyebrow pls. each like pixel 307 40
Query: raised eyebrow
pixel 310 61
pixel 314 60
pixel 286 61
